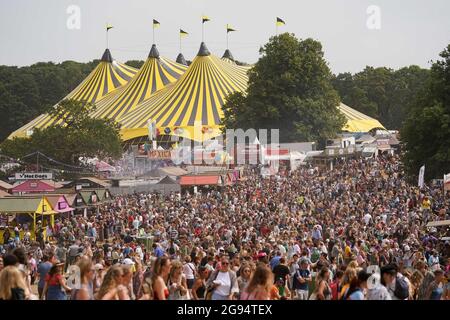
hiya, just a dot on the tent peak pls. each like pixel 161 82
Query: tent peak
pixel 203 50
pixel 227 55
pixel 107 57
pixel 181 59
pixel 154 53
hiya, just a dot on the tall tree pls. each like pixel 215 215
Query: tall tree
pixel 76 136
pixel 426 132
pixel 289 89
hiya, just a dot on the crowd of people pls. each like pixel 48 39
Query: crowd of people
pixel 357 232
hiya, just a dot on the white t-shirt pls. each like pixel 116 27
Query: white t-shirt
pixel 225 283
pixel 367 218
pixel 188 270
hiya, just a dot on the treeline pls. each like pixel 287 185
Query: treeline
pixel 27 92
pixel 385 94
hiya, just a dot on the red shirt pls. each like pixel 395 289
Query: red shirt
pixel 53 280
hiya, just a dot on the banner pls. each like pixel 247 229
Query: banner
pixel 421 176
pixel 34 176
pixel 160 154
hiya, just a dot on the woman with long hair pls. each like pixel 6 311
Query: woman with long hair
pixel 125 286
pixel 244 277
pixel 178 288
pixel 349 275
pixel 55 284
pixel 111 281
pixel 260 284
pixel 199 287
pixel 322 290
pixel 13 286
pixel 160 275
pixel 86 290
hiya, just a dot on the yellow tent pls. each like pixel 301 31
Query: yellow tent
pixel 156 73
pixel 107 76
pixel 192 107
pixel 357 121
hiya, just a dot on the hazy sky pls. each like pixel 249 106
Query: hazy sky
pixel 412 32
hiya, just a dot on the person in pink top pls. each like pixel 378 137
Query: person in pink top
pixel 259 285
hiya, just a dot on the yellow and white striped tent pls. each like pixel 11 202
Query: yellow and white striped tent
pixel 156 73
pixel 357 121
pixel 192 107
pixel 228 57
pixel 104 80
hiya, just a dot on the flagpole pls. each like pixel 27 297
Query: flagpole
pixel 203 31
pixel 154 33
pixel 227 39
pixel 180 41
pixel 107 40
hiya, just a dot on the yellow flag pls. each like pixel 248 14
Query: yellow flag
pixel 108 26
pixel 155 23
pixel 205 19
pixel 183 33
pixel 280 22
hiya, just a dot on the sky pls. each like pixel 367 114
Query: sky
pixel 352 33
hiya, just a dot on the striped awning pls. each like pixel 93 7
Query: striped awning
pixel 108 76
pixel 192 107
pixel 155 74
pixel 357 121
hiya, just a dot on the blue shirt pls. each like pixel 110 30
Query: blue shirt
pixel 159 252
pixel 304 273
pixel 43 269
pixel 274 262
pixel 357 295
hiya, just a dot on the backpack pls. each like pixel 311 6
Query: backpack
pixel 401 290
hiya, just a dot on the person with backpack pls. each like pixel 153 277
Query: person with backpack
pixel 399 287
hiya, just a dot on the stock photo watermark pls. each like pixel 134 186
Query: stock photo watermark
pixel 374 17
pixel 73 21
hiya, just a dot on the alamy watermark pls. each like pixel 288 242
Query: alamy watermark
pixel 74 19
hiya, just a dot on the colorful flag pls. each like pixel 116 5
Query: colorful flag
pixel 230 29
pixel 183 33
pixel 108 26
pixel 155 23
pixel 205 19
pixel 421 176
pixel 280 22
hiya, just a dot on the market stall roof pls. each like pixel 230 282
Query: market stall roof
pixel 200 180
pixel 5 185
pixel 25 205
pixel 32 186
pixel 4 194
pixel 167 180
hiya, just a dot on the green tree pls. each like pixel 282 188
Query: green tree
pixel 135 63
pixel 76 136
pixel 426 132
pixel 289 89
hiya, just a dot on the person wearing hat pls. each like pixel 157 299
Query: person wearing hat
pixel 377 283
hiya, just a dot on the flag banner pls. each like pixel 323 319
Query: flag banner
pixel 205 19
pixel 108 26
pixel 183 33
pixel 230 29
pixel 155 23
pixel 421 176
pixel 280 22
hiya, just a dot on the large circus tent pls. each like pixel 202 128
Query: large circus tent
pixel 358 121
pixel 106 78
pixel 156 73
pixel 192 107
